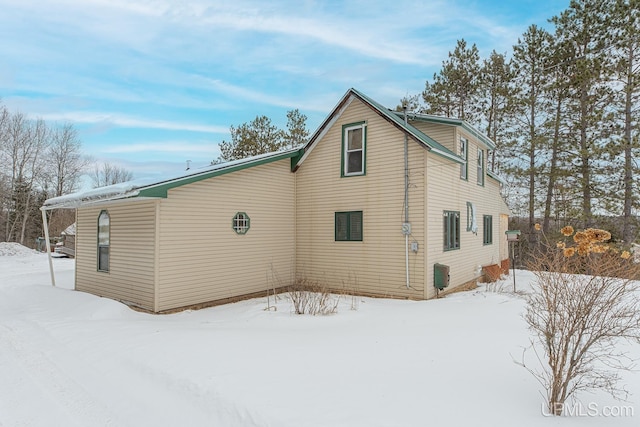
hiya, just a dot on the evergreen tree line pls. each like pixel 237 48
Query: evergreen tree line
pixel 562 108
pixel 261 136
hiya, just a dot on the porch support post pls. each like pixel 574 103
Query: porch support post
pixel 45 224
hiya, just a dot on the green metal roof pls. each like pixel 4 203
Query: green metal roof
pixel 451 121
pixel 397 119
pixel 158 188
pixel 391 117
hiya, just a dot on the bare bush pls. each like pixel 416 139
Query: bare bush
pixel 312 298
pixel 585 300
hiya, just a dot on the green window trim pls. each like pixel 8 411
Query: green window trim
pixel 348 226
pixel 487 228
pixel 464 153
pixel 354 150
pixel 451 230
pixel 241 223
pixel 103 241
pixel 481 167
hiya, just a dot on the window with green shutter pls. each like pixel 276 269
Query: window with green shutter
pixel 348 226
pixel 487 221
pixel 451 230
pixel 464 153
pixel 480 167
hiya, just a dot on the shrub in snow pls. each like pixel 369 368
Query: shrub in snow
pixel 585 300
pixel 312 298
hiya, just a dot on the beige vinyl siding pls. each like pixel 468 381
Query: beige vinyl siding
pixel 377 264
pixel 202 258
pixel 447 192
pixel 131 275
pixel 443 134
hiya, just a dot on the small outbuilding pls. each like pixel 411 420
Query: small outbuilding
pixel 375 203
pixel 67 244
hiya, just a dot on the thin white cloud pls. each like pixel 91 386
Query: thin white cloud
pixel 132 122
pixel 181 147
pixel 376 35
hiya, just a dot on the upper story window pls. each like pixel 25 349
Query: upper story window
pixel 104 232
pixel 353 149
pixel 464 153
pixel 241 223
pixel 480 167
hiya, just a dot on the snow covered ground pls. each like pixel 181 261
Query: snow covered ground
pixel 72 359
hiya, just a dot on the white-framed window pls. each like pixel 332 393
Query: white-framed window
pixel 480 167
pixel 104 237
pixel 241 223
pixel 464 153
pixel 354 149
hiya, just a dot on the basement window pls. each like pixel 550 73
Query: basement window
pixel 104 232
pixel 348 226
pixel 241 223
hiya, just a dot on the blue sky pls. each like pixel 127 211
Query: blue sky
pixel 151 84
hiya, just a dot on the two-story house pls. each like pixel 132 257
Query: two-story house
pixel 378 202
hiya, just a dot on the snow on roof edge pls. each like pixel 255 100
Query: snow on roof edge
pixel 132 188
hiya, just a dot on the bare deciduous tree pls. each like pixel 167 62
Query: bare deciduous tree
pixel 36 162
pixel 23 146
pixel 109 174
pixel 66 162
pixel 586 299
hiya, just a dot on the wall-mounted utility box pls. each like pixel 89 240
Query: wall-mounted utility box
pixel 440 276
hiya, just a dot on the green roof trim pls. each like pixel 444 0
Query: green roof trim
pixel 397 119
pixel 451 121
pixel 161 189
pixel 296 158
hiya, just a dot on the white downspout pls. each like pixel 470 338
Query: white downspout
pixel 406 195
pixel 45 224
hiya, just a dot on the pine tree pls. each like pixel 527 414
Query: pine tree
pixel 497 92
pixel 530 56
pixel 581 27
pixel 454 91
pixel 262 136
pixel 250 139
pixel 557 93
pixel 297 132
pixel 624 40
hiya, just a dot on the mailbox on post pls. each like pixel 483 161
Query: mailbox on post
pixel 513 236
